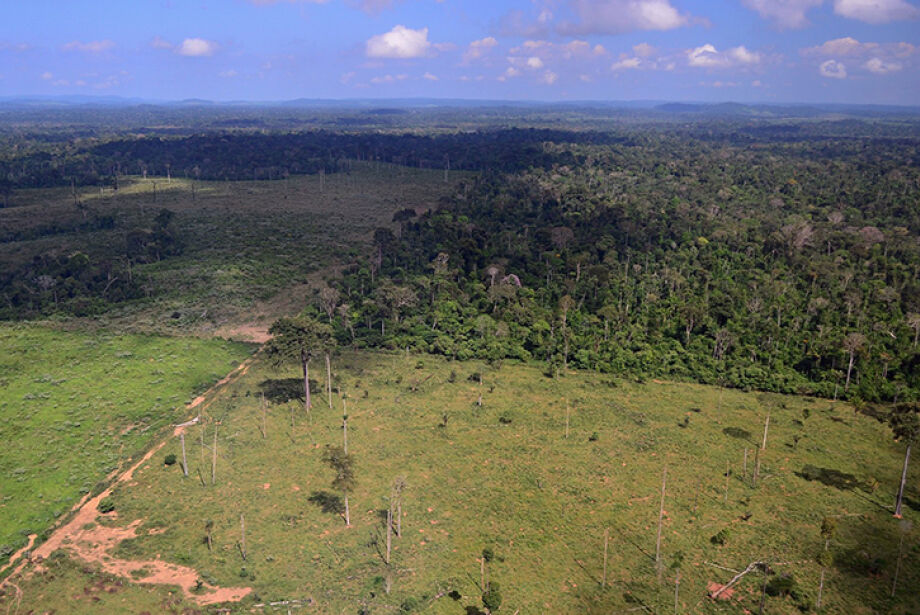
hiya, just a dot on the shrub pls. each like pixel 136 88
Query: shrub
pixel 593 437
pixel 106 505
pixel 408 605
pixel 169 460
pixel 721 537
pixel 492 598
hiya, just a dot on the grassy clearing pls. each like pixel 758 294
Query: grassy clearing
pixel 73 406
pixel 244 242
pixel 504 476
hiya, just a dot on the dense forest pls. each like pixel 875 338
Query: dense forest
pixel 778 255
pixel 786 266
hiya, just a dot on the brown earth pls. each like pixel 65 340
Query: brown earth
pixel 92 543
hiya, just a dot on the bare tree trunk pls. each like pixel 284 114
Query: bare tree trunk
pixel 664 480
pixel 184 461
pixel 347 514
pixel 897 507
pixel 567 411
pixel 677 593
pixel 306 383
pixel 329 380
pixel 242 537
pixel 345 433
pixel 820 589
pixel 389 531
pixel 846 387
pixel 606 539
pixel 728 472
pixel 214 457
pixel 756 468
pixel 744 474
pixel 766 426
pixel 262 403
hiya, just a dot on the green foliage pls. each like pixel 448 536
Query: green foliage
pixel 492 597
pixel 106 505
pixel 721 537
pixel 904 420
pixel 170 459
pixel 298 339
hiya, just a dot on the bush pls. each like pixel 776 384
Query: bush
pixel 169 460
pixel 721 537
pixel 408 605
pixel 492 598
pixel 106 506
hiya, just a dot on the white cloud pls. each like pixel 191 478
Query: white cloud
pixel 16 47
pixel 534 62
pixel 400 42
pixel 833 69
pixel 478 49
pixel 47 75
pixel 881 67
pixel 742 56
pixel 160 43
pixel 881 58
pixel 389 79
pixel 549 78
pixel 196 48
pixel 90 47
pixel 430 77
pixel 707 56
pixel 846 46
pixel 510 73
pixel 644 50
pixel 876 11
pixel 618 16
pixel 784 13
pixel 626 64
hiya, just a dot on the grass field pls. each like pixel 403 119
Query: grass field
pixel 249 247
pixel 73 406
pixel 504 476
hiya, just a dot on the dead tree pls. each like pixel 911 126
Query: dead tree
pixel 664 480
pixel 184 461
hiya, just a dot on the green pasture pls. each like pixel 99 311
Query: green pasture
pixel 504 476
pixel 74 406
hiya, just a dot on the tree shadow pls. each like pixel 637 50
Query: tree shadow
pixel 282 390
pixel 830 477
pixel 737 432
pixel 327 502
pixel 474 610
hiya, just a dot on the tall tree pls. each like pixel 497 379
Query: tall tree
pixel 905 423
pixel 852 343
pixel 299 339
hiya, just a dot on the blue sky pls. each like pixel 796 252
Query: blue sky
pixel 842 51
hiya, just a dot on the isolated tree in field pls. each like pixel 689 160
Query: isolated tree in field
pixel 852 343
pixel 299 338
pixel 343 465
pixel 491 598
pixel 905 423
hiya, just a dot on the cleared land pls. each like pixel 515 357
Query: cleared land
pixel 74 406
pixel 504 476
pixel 250 249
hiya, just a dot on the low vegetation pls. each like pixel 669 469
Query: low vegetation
pixel 75 406
pixel 523 504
